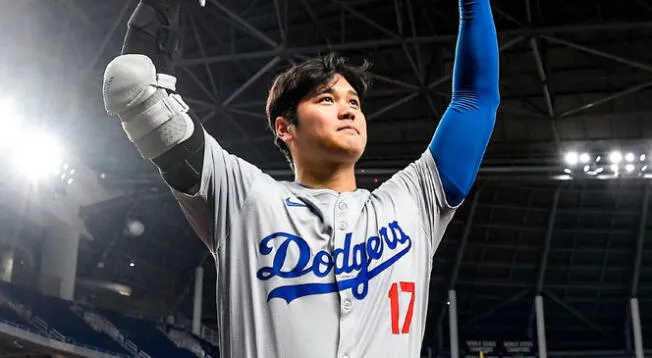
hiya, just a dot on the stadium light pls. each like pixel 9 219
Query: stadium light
pixel 629 168
pixel 615 157
pixel 10 125
pixel 629 157
pixel 571 158
pixel 41 157
pixel 642 157
pixel 34 152
pixel 585 158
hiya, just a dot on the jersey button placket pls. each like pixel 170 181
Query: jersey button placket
pixel 341 213
pixel 346 303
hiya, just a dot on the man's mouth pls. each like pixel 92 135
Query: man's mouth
pixel 348 129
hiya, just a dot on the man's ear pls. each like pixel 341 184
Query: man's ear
pixel 285 130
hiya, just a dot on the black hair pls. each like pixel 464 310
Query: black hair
pixel 302 80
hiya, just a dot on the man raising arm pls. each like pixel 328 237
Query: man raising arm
pixel 140 86
pixel 463 133
pixel 316 267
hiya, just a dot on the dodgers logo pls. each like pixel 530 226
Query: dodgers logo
pixel 364 259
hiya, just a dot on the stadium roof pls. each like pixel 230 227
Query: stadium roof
pixel 575 76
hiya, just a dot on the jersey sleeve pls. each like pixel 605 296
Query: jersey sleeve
pixel 225 182
pixel 420 184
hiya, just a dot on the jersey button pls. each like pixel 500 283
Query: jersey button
pixel 342 206
pixel 343 225
pixel 347 305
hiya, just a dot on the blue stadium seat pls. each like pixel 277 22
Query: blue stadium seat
pixel 9 315
pixel 146 335
pixel 57 314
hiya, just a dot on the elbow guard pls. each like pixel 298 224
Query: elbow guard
pixel 157 121
pixel 153 119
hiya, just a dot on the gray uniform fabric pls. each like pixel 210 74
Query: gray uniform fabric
pixel 315 273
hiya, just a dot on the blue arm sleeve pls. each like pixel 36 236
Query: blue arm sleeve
pixel 461 138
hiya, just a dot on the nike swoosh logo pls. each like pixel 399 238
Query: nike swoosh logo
pixel 289 202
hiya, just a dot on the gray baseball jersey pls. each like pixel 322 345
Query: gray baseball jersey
pixel 315 273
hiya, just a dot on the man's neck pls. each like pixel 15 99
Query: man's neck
pixel 338 178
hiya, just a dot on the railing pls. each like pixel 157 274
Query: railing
pixel 183 340
pixel 101 324
pixel 45 331
pixel 58 336
pixel 39 338
pixel 130 346
pixel 206 333
pixel 210 335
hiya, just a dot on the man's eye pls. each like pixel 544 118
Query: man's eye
pixel 354 102
pixel 326 99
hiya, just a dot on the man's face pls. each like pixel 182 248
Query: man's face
pixel 332 127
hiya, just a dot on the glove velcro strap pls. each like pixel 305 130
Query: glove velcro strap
pixel 164 108
pixel 166 81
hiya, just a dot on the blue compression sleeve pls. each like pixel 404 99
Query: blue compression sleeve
pixel 461 138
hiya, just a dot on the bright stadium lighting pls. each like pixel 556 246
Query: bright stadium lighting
pixel 629 168
pixel 644 168
pixel 571 158
pixel 10 125
pixel 587 168
pixel 41 157
pixel 642 157
pixel 584 158
pixel 615 157
pixel 614 167
pixel 629 157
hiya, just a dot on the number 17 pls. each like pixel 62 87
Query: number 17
pixel 394 306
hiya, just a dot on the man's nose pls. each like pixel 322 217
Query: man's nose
pixel 347 113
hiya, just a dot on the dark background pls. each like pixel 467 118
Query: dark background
pixel 575 75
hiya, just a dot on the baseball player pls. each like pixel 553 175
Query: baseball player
pixel 315 267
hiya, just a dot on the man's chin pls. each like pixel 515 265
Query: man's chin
pixel 344 150
pixel 350 154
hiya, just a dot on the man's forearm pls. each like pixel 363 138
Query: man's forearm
pixel 475 76
pixel 153 31
pixel 463 133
